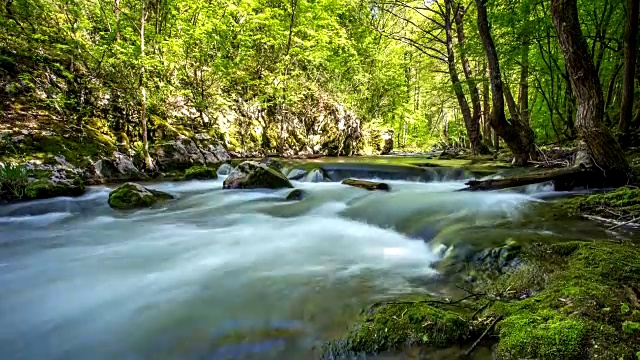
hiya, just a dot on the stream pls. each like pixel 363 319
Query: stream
pixel 234 274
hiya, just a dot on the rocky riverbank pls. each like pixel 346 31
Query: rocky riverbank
pixel 528 299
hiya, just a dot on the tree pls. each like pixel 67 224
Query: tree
pixel 143 91
pixel 630 55
pixel 603 147
pixel 518 136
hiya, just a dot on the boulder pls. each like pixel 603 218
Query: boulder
pixel 117 168
pixel 183 152
pixel 296 174
pixel 54 187
pixel 200 173
pixel 133 196
pixel 253 175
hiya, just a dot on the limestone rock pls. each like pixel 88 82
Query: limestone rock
pixel 253 175
pixel 133 196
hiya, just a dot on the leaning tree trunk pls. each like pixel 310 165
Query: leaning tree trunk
pixel 486 111
pixel 518 136
pixel 603 147
pixel 143 94
pixel 473 128
pixel 630 54
pixel 476 143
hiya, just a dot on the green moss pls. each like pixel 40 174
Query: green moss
pixel 133 196
pixel 392 326
pixel 44 189
pixel 200 173
pixel 571 316
pixel 543 335
pixel 623 200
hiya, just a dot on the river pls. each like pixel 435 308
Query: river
pixel 224 274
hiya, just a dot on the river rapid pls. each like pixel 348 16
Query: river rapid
pixel 225 274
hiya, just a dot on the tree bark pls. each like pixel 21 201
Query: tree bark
pixel 630 55
pixel 143 93
pixel 523 94
pixel 476 142
pixel 472 127
pixel 518 136
pixel 603 147
pixel 486 110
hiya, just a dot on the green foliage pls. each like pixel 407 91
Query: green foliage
pixel 13 181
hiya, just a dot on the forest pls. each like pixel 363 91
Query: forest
pixel 319 179
pixel 303 77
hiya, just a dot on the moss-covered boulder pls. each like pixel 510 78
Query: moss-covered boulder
pixel 253 175
pixel 47 188
pixel 134 196
pixel 201 173
pixel 393 326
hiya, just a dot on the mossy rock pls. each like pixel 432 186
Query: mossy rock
pixel 544 335
pixel 201 173
pixel 134 196
pixel 576 312
pixel 45 189
pixel 253 175
pixel 396 325
pixel 623 200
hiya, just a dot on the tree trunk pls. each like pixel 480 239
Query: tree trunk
pixel 476 143
pixel 143 93
pixel 603 147
pixel 473 129
pixel 518 136
pixel 523 94
pixel 486 111
pixel 630 55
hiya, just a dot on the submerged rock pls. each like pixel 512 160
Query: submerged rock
pixel 296 195
pixel 133 196
pixel 200 173
pixel 367 185
pixel 253 175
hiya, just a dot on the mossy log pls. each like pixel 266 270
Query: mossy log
pixel 563 179
pixel 367 185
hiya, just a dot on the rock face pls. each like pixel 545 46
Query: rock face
pixel 183 152
pixel 133 196
pixel 253 175
pixel 387 142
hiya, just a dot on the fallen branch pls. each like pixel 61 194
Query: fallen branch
pixel 564 179
pixel 616 224
pixel 475 344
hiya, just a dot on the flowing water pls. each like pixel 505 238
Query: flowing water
pixel 225 274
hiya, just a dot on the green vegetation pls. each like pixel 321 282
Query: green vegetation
pixel 200 173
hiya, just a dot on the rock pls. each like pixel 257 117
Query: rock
pixel 253 175
pixel 118 168
pixel 317 175
pixel 274 164
pixel 211 149
pixel 296 174
pixel 367 185
pixel 200 173
pixel 296 195
pixel 393 326
pixel 582 158
pixel 133 196
pixel 181 153
pixel 48 188
pixel 225 169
